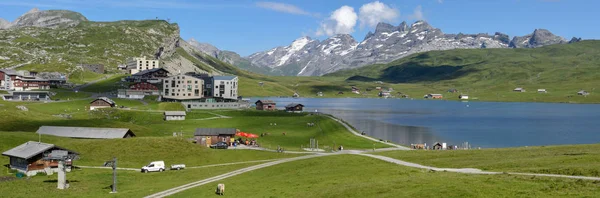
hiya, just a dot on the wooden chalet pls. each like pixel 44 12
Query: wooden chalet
pixel 208 136
pixel 29 157
pixel 102 102
pixel 294 108
pixel 265 105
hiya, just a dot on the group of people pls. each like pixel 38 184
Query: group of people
pixel 244 142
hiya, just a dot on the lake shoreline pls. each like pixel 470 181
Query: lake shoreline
pixel 480 123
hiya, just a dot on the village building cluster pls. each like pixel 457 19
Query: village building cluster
pixel 188 87
pixel 25 81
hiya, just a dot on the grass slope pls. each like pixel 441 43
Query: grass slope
pixel 108 43
pixel 136 152
pixel 358 176
pixel 566 160
pixel 96 182
pixel 147 120
pixel 491 74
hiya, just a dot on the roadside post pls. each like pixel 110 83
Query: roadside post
pixel 113 164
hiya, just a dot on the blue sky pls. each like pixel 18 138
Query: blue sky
pixel 247 26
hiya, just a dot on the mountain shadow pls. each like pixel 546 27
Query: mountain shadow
pixel 414 72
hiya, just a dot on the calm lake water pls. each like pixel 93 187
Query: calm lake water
pixel 482 124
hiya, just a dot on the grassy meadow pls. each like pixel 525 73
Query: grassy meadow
pixel 492 74
pixel 581 160
pixel 137 152
pixel 97 182
pixel 358 176
pixel 146 120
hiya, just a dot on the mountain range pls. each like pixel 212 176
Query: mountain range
pixel 42 38
pixel 310 57
pixel 59 40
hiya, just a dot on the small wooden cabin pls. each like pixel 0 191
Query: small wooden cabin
pixel 174 115
pixel 294 107
pixel 265 105
pixel 28 158
pixel 208 136
pixel 102 102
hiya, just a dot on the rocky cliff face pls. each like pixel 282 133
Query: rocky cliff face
pixel 4 24
pixel 539 38
pixel 48 19
pixel 205 47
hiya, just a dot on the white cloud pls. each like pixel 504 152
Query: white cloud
pixel 341 21
pixel 283 7
pixel 417 14
pixel 372 13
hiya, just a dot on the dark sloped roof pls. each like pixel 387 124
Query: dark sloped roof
pixel 149 71
pixel 175 113
pixel 293 105
pixel 265 102
pixel 9 71
pixel 214 131
pixel 85 132
pixel 224 77
pixel 28 149
pixel 106 99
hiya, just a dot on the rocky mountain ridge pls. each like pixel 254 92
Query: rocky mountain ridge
pixel 45 18
pixel 56 41
pixel 308 57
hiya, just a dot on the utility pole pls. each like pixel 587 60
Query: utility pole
pixel 113 164
pixel 114 186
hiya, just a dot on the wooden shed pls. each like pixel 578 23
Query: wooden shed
pixel 86 132
pixel 28 157
pixel 294 107
pixel 265 105
pixel 102 102
pixel 174 115
pixel 208 136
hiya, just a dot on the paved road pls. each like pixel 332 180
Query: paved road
pixel 471 170
pixel 175 190
pixel 19 65
pixel 103 167
pixel 190 167
pixel 367 137
pixel 91 83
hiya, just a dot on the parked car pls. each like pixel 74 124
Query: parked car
pixel 177 166
pixel 219 145
pixel 154 166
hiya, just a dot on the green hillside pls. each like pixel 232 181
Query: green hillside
pixel 491 74
pixel 108 43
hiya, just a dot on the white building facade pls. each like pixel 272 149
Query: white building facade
pixel 182 87
pixel 138 64
pixel 225 87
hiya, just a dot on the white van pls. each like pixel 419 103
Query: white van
pixel 154 166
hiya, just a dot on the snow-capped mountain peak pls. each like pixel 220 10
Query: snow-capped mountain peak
pixel 307 57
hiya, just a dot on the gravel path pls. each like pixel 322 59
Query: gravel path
pixel 471 170
pixel 175 190
pixel 367 137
